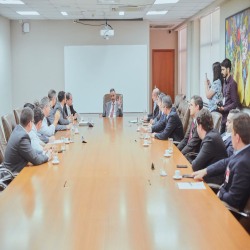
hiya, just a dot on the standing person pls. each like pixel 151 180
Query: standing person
pixel 214 91
pixel 230 93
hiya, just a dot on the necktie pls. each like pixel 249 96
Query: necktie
pixel 191 133
pixel 112 112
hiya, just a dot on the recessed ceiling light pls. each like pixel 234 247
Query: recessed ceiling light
pixel 11 2
pixel 121 13
pixel 64 13
pixel 28 13
pixel 165 1
pixel 157 12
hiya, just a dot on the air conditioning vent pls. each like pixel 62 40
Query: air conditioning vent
pixel 163 26
pixel 129 8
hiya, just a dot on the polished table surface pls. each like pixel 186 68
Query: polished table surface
pixel 99 197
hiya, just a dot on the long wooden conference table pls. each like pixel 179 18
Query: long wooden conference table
pixel 104 195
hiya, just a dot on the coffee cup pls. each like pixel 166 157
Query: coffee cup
pixel 177 173
pixel 145 142
pixel 55 158
pixel 76 130
pixel 166 152
pixel 67 140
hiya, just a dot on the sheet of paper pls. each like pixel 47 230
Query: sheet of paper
pixel 134 121
pixel 55 142
pixel 191 185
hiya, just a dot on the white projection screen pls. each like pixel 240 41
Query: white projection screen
pixel 91 71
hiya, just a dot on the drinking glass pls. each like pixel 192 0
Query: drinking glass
pixel 170 145
pixel 63 143
pixel 55 152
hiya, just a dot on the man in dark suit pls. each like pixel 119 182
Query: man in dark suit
pixel 161 116
pixel 236 187
pixel 68 106
pixel 172 125
pixel 212 147
pixel 19 151
pixel 113 108
pixel 192 141
pixel 226 137
pixel 52 114
pixel 155 94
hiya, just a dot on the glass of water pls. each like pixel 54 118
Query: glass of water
pixel 170 145
pixel 63 143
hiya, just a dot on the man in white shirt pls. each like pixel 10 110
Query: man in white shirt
pixel 113 108
pixel 68 107
pixel 226 137
pixel 45 129
pixel 36 143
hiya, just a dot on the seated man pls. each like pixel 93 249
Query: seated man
pixel 171 127
pixel 236 169
pixel 226 137
pixel 212 147
pixel 19 151
pixel 113 108
pixel 68 107
pixel 161 116
pixel 192 141
pixel 51 117
pixel 155 94
pixel 45 129
pixel 36 143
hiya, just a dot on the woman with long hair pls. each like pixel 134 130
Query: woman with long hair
pixel 214 90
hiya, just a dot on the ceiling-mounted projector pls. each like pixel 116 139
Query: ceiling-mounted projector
pixel 107 32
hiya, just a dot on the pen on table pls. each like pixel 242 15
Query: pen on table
pixel 190 183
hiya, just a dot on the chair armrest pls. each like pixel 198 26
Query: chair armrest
pixel 235 210
pixel 214 186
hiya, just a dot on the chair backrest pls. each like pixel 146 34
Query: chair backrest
pixel 217 120
pixel 106 98
pixel 9 124
pixel 178 99
pixel 3 145
pixel 17 113
pixel 184 114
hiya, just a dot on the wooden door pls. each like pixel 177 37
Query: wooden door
pixel 163 71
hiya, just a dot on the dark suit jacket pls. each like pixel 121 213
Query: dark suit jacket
pixel 71 110
pixel 212 150
pixel 228 144
pixel 193 145
pixel 171 127
pixel 51 119
pixel 19 151
pixel 154 113
pixel 236 191
pixel 118 111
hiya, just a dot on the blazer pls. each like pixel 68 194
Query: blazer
pixel 71 110
pixel 154 113
pixel 193 145
pixel 236 190
pixel 212 150
pixel 51 119
pixel 19 151
pixel 228 144
pixel 171 127
pixel 162 118
pixel 118 111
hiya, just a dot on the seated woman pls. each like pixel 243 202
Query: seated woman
pixel 214 91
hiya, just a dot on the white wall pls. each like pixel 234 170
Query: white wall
pixel 5 67
pixel 38 57
pixel 161 39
